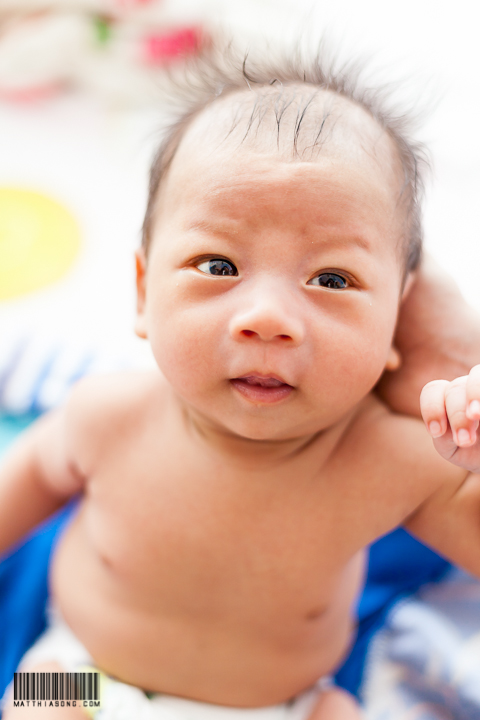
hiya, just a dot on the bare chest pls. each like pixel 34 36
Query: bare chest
pixel 196 535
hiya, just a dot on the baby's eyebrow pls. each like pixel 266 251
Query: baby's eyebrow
pixel 355 239
pixel 324 236
pixel 217 228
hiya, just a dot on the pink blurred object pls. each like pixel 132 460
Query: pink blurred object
pixel 127 4
pixel 162 48
pixel 31 94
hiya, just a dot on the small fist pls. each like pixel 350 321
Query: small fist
pixel 451 411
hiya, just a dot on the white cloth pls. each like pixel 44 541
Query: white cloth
pixel 120 701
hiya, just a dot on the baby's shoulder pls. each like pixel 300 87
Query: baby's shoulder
pixel 113 392
pixel 398 453
pixel 377 425
pixel 102 409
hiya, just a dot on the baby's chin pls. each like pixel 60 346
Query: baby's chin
pixel 260 427
pixel 230 415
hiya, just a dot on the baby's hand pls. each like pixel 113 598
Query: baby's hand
pixel 451 411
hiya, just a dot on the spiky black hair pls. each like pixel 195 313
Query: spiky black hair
pixel 218 73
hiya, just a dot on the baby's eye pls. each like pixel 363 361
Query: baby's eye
pixel 329 280
pixel 217 266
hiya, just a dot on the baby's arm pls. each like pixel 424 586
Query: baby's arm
pixel 450 519
pixel 37 476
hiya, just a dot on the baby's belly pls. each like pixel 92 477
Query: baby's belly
pixel 229 660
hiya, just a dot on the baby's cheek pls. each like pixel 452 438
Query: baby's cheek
pixel 355 366
pixel 185 353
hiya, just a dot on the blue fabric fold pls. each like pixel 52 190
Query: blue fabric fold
pixel 397 566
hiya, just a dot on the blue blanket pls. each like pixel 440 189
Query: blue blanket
pixel 424 662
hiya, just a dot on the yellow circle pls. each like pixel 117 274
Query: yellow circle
pixel 39 240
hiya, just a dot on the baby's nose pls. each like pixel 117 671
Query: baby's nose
pixel 269 320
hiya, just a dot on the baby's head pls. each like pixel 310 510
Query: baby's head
pixel 282 226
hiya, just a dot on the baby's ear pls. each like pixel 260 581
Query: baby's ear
pixel 394 359
pixel 141 267
pixel 407 286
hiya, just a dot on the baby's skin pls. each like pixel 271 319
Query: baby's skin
pixel 228 496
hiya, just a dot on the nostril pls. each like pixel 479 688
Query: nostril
pixel 249 333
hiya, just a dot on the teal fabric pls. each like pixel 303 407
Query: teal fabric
pixel 10 427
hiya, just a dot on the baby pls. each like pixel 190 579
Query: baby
pixel 228 496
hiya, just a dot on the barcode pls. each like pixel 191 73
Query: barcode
pixel 56 686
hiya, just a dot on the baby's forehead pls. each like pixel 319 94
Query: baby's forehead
pixel 233 178
pixel 297 122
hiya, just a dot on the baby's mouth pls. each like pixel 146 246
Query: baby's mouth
pixel 260 389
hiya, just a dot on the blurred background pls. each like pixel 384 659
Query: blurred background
pixel 81 113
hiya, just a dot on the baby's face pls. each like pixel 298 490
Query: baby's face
pixel 272 286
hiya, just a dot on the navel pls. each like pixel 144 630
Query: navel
pixel 314 614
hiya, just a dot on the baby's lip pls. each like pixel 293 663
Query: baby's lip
pixel 262 389
pixel 268 381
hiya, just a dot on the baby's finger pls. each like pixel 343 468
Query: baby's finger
pixel 473 393
pixel 463 429
pixel 432 405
